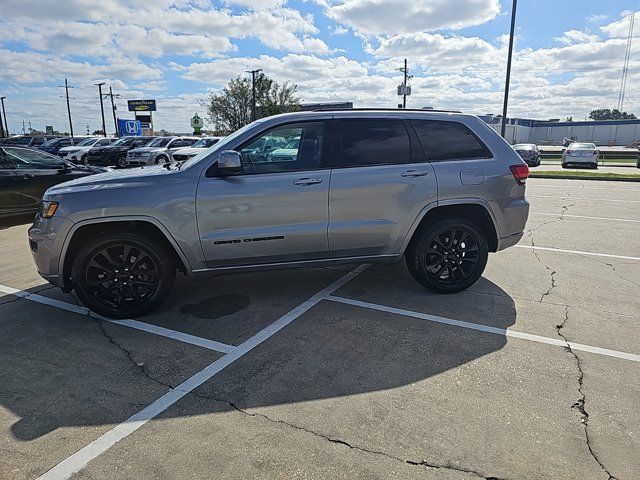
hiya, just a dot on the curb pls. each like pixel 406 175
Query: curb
pixel 573 177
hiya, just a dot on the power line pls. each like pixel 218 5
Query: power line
pixel 625 68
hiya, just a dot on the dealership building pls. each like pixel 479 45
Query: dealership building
pixel 549 132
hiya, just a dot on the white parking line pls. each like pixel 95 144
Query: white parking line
pixel 587 217
pixel 569 197
pixel 484 328
pixel 80 459
pixel 145 327
pixel 577 252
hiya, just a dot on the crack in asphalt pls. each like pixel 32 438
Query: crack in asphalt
pixel 612 268
pixel 580 405
pixel 561 217
pixel 422 463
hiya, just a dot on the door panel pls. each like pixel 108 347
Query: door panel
pixel 381 184
pixel 248 219
pixel 372 208
pixel 277 210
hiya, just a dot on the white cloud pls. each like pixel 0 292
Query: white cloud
pixel 620 28
pixel 376 17
pixel 572 37
pixel 596 18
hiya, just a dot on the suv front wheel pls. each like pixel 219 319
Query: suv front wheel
pixel 123 275
pixel 448 256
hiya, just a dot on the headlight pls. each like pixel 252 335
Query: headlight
pixel 48 209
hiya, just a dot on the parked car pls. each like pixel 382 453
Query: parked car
pixel 529 152
pixel 581 154
pixel 78 153
pixel 116 153
pixel 157 151
pixel 188 152
pixel 27 140
pixel 26 173
pixel 54 145
pixel 441 189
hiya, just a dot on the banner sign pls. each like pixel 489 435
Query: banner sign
pixel 141 105
pixel 129 128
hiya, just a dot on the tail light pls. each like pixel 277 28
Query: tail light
pixel 520 173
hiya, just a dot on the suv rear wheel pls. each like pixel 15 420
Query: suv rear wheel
pixel 448 256
pixel 123 275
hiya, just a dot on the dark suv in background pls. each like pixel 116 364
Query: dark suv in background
pixel 27 140
pixel 116 153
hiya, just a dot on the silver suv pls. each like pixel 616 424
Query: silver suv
pixel 157 150
pixel 441 189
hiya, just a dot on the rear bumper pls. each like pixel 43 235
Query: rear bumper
pixel 570 160
pixel 509 241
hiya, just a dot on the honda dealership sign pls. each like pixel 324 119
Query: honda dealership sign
pixel 129 128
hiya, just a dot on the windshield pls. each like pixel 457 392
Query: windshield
pixel 582 146
pixel 159 142
pixel 28 158
pixel 122 141
pixel 221 145
pixel 205 142
pixel 86 142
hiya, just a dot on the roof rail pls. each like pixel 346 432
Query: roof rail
pixel 372 109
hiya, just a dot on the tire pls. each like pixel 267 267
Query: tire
pixel 83 159
pixel 161 159
pixel 594 166
pixel 466 250
pixel 564 165
pixel 121 161
pixel 132 284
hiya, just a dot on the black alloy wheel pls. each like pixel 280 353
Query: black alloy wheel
pixel 448 257
pixel 121 161
pixel 123 276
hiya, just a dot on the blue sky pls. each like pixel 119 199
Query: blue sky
pixel 568 57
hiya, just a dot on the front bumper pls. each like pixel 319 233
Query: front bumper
pixel 139 161
pixel 46 240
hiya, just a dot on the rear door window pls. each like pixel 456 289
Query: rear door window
pixel 442 140
pixel 373 142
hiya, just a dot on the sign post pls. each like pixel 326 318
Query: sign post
pixel 142 110
pixel 197 123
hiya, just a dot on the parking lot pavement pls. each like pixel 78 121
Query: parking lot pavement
pixel 532 373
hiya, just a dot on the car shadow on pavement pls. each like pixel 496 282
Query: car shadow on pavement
pixel 13 221
pixel 66 370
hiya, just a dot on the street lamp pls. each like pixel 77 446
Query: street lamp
pixel 253 89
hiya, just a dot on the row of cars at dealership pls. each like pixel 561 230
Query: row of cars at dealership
pixel 116 152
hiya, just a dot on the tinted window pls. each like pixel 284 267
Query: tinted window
pixel 374 142
pixel 449 141
pixel 27 158
pixel 268 152
pixel 139 142
pixel 4 161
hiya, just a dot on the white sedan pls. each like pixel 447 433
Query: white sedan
pixel 188 152
pixel 581 154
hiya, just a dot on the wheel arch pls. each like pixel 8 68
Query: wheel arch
pixel 143 225
pixel 474 210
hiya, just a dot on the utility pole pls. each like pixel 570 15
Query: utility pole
pixel 253 89
pixel 66 95
pixel 113 108
pixel 2 127
pixel 405 90
pixel 503 128
pixel 24 130
pixel 104 127
pixel 4 114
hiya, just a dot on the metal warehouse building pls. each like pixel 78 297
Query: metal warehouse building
pixel 601 132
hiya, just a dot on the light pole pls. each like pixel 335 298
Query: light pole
pixel 253 89
pixel 508 79
pixel 104 127
pixel 4 114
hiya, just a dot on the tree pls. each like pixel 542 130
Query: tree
pixel 607 114
pixel 230 109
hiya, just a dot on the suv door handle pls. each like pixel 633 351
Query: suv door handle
pixel 414 173
pixel 307 181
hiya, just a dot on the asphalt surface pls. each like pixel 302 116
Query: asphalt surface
pixel 533 373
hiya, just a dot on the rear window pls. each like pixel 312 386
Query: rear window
pixel 443 140
pixel 374 142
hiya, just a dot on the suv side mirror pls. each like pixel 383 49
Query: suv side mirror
pixel 228 162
